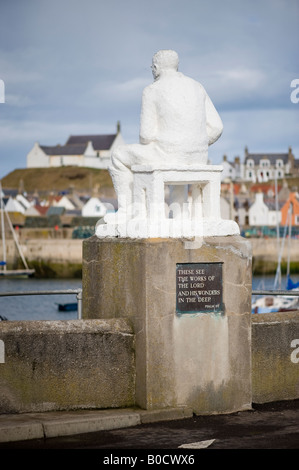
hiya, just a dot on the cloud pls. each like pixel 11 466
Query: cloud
pixel 266 130
pixel 121 92
pixel 79 67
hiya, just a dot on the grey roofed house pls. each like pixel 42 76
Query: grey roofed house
pixel 286 157
pixel 272 157
pixel 76 144
pixel 90 150
pixel 265 166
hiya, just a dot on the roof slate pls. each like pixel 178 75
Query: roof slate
pixel 77 149
pixel 99 142
pixel 76 144
pixel 272 157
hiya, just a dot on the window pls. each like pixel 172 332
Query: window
pixel 250 175
pixel 264 163
pixel 250 163
pixel 279 174
pixel 279 163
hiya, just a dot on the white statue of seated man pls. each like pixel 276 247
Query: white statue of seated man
pixel 177 124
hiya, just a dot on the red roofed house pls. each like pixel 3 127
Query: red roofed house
pixel 91 151
pixel 294 201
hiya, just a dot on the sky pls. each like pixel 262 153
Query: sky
pixel 77 67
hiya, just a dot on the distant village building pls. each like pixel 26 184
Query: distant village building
pixel 231 170
pixel 263 167
pixel 13 205
pixel 94 208
pixel 63 201
pixel 91 151
pixel 262 213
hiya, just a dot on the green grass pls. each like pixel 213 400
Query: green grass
pixel 57 179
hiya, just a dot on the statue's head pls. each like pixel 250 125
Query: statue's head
pixel 164 60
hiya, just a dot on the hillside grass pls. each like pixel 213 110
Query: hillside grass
pixel 57 179
pixel 80 179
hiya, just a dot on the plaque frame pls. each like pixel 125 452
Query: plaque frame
pixel 199 288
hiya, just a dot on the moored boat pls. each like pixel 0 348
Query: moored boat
pixel 69 307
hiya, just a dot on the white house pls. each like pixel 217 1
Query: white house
pixel 65 202
pixel 91 151
pixel 13 205
pixel 260 214
pixel 231 170
pixel 32 212
pixel 94 208
pixel 20 198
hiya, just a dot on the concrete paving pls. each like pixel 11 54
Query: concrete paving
pixel 29 426
pixel 268 426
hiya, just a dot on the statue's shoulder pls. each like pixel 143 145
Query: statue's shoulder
pixel 149 89
pixel 192 81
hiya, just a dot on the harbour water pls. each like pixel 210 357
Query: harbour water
pixel 37 307
pixel 45 307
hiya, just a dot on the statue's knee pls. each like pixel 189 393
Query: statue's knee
pixel 115 159
pixel 119 160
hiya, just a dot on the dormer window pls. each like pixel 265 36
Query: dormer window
pixel 279 163
pixel 264 163
pixel 250 163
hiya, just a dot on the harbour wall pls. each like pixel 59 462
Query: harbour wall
pixel 53 253
pixel 265 254
pixel 275 357
pixel 80 364
pixel 66 365
pixel 54 257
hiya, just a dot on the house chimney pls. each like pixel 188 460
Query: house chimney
pixel 118 127
pixel 290 154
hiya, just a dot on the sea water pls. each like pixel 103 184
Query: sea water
pixel 45 307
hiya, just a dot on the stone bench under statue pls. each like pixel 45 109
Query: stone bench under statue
pixel 150 215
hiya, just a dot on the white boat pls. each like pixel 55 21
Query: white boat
pixel 275 303
pixel 4 272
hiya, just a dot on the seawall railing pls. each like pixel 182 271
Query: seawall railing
pixel 77 292
pixel 286 293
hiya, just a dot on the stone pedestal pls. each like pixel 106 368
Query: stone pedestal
pixel 197 359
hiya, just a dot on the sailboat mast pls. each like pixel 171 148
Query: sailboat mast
pixel 16 240
pixel 2 229
pixel 289 239
pixel 278 271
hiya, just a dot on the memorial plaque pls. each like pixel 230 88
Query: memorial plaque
pixel 199 288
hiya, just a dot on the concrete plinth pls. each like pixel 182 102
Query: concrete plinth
pixel 199 360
